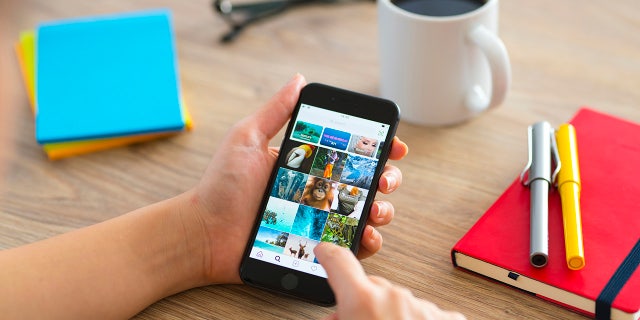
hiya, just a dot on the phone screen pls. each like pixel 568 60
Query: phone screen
pixel 322 181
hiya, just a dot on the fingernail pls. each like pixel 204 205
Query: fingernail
pixel 382 210
pixel 295 78
pixel 374 234
pixel 391 182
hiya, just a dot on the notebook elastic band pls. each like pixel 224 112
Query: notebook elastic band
pixel 617 281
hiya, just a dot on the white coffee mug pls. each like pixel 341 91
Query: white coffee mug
pixel 442 70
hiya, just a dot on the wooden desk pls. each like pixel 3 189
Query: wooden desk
pixel 564 54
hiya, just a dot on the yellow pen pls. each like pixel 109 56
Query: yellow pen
pixel 569 186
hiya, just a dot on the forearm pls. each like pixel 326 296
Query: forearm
pixel 110 270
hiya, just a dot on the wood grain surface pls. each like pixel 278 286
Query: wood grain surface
pixel 564 54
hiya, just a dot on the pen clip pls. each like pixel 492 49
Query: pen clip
pixel 554 153
pixel 556 158
pixel 528 165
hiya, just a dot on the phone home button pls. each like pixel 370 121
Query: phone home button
pixel 289 281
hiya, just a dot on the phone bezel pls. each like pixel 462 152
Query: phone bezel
pixel 313 288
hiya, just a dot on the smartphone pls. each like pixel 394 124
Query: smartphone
pixel 321 189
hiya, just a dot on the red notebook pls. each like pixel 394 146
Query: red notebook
pixel 497 246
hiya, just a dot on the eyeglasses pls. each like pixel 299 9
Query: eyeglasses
pixel 240 16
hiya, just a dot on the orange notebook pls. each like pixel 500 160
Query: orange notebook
pixel 497 246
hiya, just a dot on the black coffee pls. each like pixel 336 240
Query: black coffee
pixel 439 8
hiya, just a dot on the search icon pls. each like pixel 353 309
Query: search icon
pixel 277 258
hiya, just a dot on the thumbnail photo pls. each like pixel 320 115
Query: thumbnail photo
pixel 358 171
pixel 299 155
pixel 307 132
pixel 350 201
pixel 363 146
pixel 335 138
pixel 328 164
pixel 340 230
pixel 272 240
pixel 279 214
pixel 309 222
pixel 301 248
pixel 318 193
pixel 289 185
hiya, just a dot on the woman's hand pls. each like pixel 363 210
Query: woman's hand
pixel 229 194
pixel 359 296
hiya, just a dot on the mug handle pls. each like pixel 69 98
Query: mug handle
pixel 498 59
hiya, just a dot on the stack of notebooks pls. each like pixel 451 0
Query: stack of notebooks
pixel 100 82
pixel 608 287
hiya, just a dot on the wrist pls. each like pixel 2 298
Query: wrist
pixel 173 244
pixel 222 238
pixel 190 242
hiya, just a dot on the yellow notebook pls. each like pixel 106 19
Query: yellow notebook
pixel 25 50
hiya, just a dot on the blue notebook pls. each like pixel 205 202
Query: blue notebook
pixel 107 76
